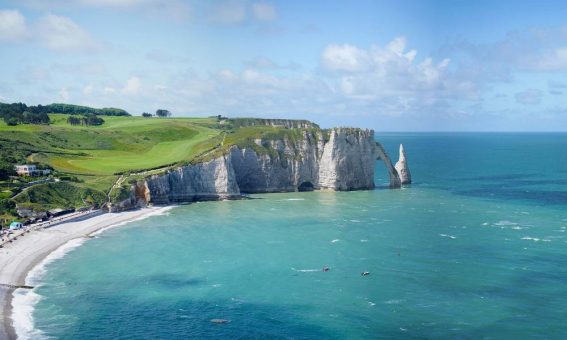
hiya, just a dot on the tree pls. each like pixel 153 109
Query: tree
pixel 6 170
pixel 147 115
pixel 163 113
pixel 74 120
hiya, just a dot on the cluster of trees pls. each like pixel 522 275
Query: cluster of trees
pixel 163 113
pixel 159 113
pixel 20 113
pixel 88 119
pixel 83 110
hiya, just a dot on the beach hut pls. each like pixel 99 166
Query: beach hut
pixel 16 225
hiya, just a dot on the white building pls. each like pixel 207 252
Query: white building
pixel 31 170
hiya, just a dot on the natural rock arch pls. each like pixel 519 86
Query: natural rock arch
pixel 395 181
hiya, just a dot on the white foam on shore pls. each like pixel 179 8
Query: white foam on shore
pixel 156 212
pixel 34 276
pixel 25 300
pixel 23 305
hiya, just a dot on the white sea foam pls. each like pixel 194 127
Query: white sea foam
pixel 535 239
pixel 355 221
pixel 23 305
pixel 157 212
pixel 294 199
pixel 335 240
pixel 363 241
pixel 449 236
pixel 306 270
pixel 505 223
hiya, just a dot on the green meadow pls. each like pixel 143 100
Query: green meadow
pixel 120 145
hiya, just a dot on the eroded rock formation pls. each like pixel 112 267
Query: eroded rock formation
pixel 343 159
pixel 402 167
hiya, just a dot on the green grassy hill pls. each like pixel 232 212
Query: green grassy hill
pixel 88 160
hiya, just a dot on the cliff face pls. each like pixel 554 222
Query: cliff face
pixel 343 160
pixel 205 181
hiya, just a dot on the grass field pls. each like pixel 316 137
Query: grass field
pixel 120 144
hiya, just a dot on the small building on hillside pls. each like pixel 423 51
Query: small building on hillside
pixel 31 170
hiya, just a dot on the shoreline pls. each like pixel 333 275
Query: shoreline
pixel 19 258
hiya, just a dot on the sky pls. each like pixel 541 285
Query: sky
pixel 406 65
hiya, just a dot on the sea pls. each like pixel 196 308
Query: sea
pixel 475 247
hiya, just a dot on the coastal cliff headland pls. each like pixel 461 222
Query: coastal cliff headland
pixel 132 162
pixel 339 159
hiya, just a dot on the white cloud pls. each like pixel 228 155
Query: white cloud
pixel 109 90
pixel 62 34
pixel 553 60
pixel 64 95
pixel 133 86
pixel 264 11
pixel 345 58
pixel 390 72
pixel 12 26
pixel 87 90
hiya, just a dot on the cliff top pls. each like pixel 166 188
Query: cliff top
pixel 283 123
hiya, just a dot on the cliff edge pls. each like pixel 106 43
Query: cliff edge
pixel 303 159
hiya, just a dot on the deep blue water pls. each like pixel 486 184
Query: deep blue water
pixel 475 248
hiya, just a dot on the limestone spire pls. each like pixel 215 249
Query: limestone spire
pixel 402 167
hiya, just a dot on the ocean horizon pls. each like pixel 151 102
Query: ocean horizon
pixel 474 248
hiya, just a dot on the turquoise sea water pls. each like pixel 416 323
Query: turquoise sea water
pixel 476 248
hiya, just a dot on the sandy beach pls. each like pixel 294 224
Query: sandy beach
pixel 18 258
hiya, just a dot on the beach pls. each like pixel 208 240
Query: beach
pixel 18 258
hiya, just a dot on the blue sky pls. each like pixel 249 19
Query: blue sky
pixel 388 65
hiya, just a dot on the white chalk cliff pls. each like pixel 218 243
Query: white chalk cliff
pixel 342 159
pixel 402 167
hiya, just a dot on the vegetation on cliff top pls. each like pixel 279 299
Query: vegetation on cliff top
pixel 88 160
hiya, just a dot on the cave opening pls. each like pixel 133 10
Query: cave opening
pixel 305 186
